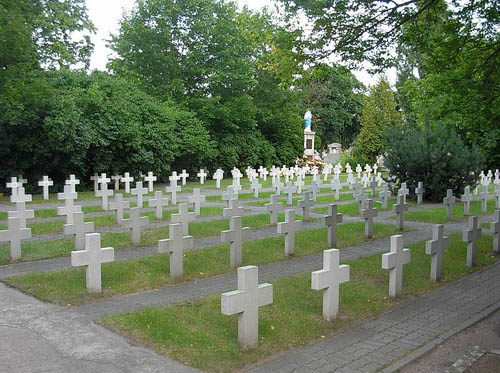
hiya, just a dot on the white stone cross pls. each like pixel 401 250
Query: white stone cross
pixel 255 186
pixel 94 178
pixel 218 176
pixel 331 220
pixel 20 212
pixel 78 229
pixel 45 183
pixel 305 204
pixel 368 214
pixel 183 217
pixel 229 195
pixel 299 183
pixel 449 201
pixel 400 208
pixel 139 191
pixel 314 188
pixel 403 191
pixel 385 194
pixel 419 191
pixel 373 185
pixel 328 279
pixel 263 172
pixel 233 209
pixel 435 248
pixel 278 185
pixel 289 228
pixel 134 223
pixel 484 199
pixel 274 207
pixel 116 179
pixel 104 192
pixel 184 175
pixel 235 236
pixel 73 181
pixel 471 236
pixel 158 202
pixel 14 235
pixel 495 231
pixel 127 179
pixel 394 261
pixel 497 196
pixel 175 246
pixel 119 204
pixel 466 198
pixel 14 184
pixel 246 302
pixel 336 186
pixel 173 188
pixel 289 190
pixel 361 198
pixel 150 179
pixel 196 199
pixel 69 204
pixel 202 176
pixel 92 257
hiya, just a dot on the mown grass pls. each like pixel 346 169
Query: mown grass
pixel 196 333
pixel 128 276
pixel 438 215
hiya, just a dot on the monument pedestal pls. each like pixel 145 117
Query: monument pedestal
pixel 309 144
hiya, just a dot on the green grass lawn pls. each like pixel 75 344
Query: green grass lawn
pixel 196 333
pixel 438 215
pixel 129 276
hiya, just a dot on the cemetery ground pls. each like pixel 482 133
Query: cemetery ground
pixel 190 328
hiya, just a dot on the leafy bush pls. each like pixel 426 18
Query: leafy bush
pixel 435 155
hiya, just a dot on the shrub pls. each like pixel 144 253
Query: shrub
pixel 435 155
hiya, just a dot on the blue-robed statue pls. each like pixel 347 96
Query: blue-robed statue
pixel 308 118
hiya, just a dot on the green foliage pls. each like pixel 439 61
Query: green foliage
pixel 380 113
pixel 435 155
pixel 334 96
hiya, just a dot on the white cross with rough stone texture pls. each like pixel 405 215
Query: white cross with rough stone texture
pixel 449 201
pixel 150 179
pixel 336 186
pixel 175 246
pixel 127 179
pixel 116 179
pixel 104 193
pixel 435 248
pixel 173 188
pixel 73 181
pixel 158 202
pixel 78 229
pixel 246 302
pixel 299 183
pixel 495 231
pixel 196 199
pixel 69 204
pixel 255 186
pixel 484 199
pixel 373 185
pixel 119 204
pixel 94 179
pixel 361 198
pixel 274 208
pixel 471 236
pixel 229 195
pixel 466 198
pixel 92 257
pixel 233 209
pixel 305 204
pixel 400 208
pixel 263 173
pixel 20 200
pixel 419 191
pixel 234 236
pixel 218 176
pixel 14 184
pixel 329 279
pixel 14 235
pixel 278 185
pixel 385 194
pixel 184 175
pixel 236 184
pixel 368 214
pixel 139 191
pixel 394 261
pixel 183 217
pixel 356 188
pixel 289 190
pixel 45 183
pixel 314 188
pixel 289 228
pixel 134 223
pixel 403 191
pixel 331 220
pixel 202 175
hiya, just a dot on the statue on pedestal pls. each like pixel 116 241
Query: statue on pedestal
pixel 307 118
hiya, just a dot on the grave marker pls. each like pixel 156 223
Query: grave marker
pixel 274 208
pixel 79 228
pixel 139 191
pixel 134 223
pixel 305 204
pixel 435 248
pixel 471 236
pixel 331 220
pixel 336 186
pixel 127 179
pixel 116 179
pixel 20 200
pixel 289 228
pixel 233 209
pixel 484 199
pixel 403 191
pixel 158 202
pixel 495 231
pixel 173 188
pixel 218 176
pixel 466 199
pixel 14 235
pixel 69 206
pixel 373 185
pixel 419 191
pixel 400 208
pixel 119 204
pixel 449 201
pixel 104 193
pixel 183 217
pixel 196 199
pixel 45 183
pixel 73 181
pixel 184 175
pixel 175 246
pixel 299 183
pixel 235 236
pixel 289 190
pixel 229 195
pixel 202 175
pixel 394 261
pixel 13 185
pixel 368 214
pixel 385 194
pixel 255 186
pixel 150 179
